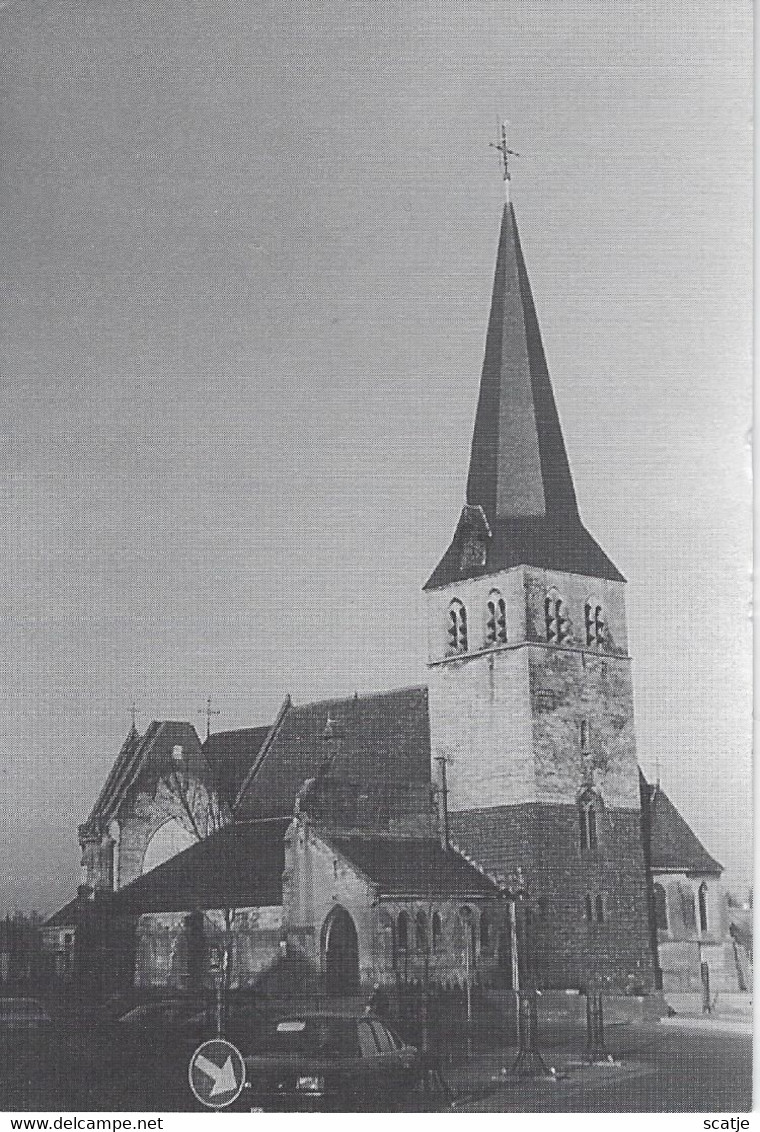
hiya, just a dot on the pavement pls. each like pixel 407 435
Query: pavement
pixel 685 1065
pixel 488 1073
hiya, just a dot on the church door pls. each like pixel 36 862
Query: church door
pixel 341 953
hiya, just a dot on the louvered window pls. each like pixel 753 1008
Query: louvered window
pixel 496 622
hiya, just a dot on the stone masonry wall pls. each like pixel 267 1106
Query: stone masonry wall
pixel 543 842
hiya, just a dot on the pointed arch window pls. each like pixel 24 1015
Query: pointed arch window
pixel 702 899
pixel 486 933
pixel 496 623
pixel 421 925
pixel 588 907
pixel 599 908
pixel 660 908
pixel 555 615
pixel 437 931
pixel 457 627
pixel 402 932
pixel 588 822
pixel 593 616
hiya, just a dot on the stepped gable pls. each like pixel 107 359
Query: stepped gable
pixel 379 738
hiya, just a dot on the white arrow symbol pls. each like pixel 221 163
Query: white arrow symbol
pixel 224 1078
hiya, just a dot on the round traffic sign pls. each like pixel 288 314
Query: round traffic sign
pixel 217 1073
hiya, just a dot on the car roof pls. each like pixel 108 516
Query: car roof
pixel 343 1015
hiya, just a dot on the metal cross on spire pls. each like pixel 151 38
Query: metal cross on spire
pixel 503 148
pixel 133 714
pixel 208 712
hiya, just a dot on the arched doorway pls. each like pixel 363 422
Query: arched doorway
pixel 340 947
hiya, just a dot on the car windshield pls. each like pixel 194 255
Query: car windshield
pixel 333 1037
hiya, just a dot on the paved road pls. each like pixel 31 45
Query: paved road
pixel 662 1070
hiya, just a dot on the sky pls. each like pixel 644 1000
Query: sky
pixel 245 269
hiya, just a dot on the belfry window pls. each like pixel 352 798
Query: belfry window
pixel 594 621
pixel 496 624
pixel 702 897
pixel 457 627
pixel 599 906
pixel 588 907
pixel 557 622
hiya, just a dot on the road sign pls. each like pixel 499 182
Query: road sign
pixel 217 1073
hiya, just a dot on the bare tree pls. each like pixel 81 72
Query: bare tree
pixel 205 814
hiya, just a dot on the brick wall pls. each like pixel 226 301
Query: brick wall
pixel 543 841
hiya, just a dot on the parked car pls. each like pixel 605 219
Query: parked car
pixel 26 1031
pixel 174 1028
pixel 23 1016
pixel 333 1062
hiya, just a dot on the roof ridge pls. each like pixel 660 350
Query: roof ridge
pixel 363 698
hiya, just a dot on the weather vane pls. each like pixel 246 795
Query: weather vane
pixel 505 152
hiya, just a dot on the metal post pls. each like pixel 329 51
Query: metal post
pixel 595 1027
pixel 529 1062
pixel 468 987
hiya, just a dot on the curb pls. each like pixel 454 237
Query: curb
pixel 717 1025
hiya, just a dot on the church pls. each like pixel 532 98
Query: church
pixel 490 829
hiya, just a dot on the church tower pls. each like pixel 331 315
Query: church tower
pixel 531 698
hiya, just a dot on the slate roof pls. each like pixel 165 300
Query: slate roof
pixel 382 738
pixel 518 464
pixel 673 846
pixel 519 471
pixel 65 917
pixel 230 755
pixel 412 866
pixel 241 866
pixel 559 543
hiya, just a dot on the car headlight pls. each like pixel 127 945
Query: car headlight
pixel 310 1084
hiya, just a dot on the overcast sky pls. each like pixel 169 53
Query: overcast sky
pixel 245 268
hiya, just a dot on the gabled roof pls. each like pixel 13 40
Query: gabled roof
pixel 519 476
pixel 411 866
pixel 378 738
pixel 65 917
pixel 673 846
pixel 240 866
pixel 136 751
pixel 230 755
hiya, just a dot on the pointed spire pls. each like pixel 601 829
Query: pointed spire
pixel 519 465
pixel 520 504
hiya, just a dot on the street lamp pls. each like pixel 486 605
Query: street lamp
pixel 529 1062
